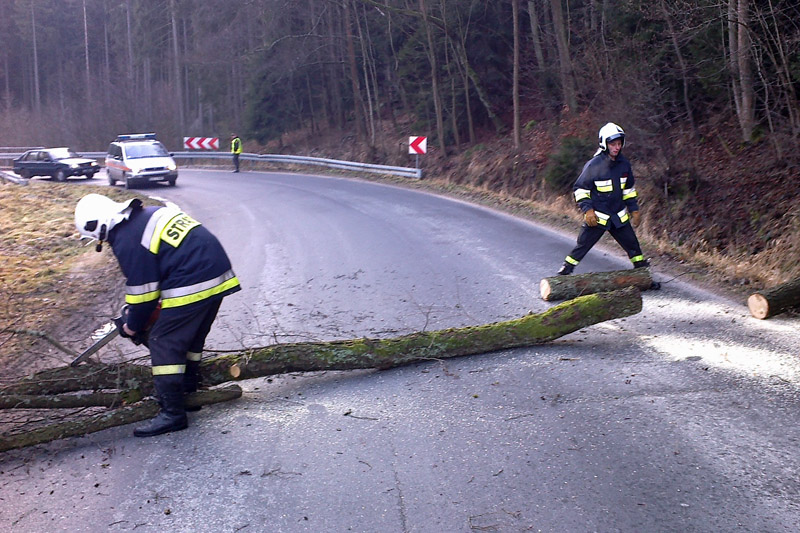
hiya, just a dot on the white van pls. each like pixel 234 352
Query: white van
pixel 139 158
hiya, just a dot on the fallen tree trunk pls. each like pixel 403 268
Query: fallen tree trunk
pixel 354 354
pixel 565 287
pixel 117 417
pixel 556 322
pixel 365 353
pixel 89 376
pixel 776 300
pixel 69 401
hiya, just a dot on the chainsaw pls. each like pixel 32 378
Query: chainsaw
pixel 107 332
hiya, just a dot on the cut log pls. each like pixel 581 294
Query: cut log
pixel 117 417
pixel 776 300
pixel 565 287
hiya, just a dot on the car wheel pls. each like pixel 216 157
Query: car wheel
pixel 24 174
pixel 90 176
pixel 171 182
pixel 61 176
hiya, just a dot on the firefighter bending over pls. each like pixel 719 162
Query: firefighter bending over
pixel 169 259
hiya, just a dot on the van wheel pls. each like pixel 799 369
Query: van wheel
pixel 111 180
pixel 126 181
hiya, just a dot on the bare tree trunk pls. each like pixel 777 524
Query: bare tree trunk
pixel 358 103
pixel 177 74
pixel 684 70
pixel 335 70
pixel 37 97
pixel 86 54
pixel 536 36
pixel 741 65
pixel 515 83
pixel 370 82
pixel 129 42
pixel 437 98
pixel 565 62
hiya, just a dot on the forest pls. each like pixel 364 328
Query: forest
pixel 706 90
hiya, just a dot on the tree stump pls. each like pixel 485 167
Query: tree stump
pixel 566 287
pixel 774 301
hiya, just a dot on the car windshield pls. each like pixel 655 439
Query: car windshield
pixel 61 153
pixel 136 151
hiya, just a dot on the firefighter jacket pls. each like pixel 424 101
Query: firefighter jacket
pixel 607 186
pixel 168 256
pixel 236 145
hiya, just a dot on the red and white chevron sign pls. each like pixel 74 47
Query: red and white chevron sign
pixel 417 145
pixel 201 143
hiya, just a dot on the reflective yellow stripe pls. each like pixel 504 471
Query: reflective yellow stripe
pixel 627 194
pixel 582 194
pixel 604 186
pixel 622 181
pixel 602 218
pixel 169 370
pixel 194 356
pixel 136 290
pixel 141 298
pixel 151 236
pixel 637 258
pixel 571 261
pixel 177 229
pixel 178 301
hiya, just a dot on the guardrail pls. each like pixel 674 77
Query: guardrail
pixel 7 160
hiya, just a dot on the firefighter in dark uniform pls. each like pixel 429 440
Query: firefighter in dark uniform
pixel 170 260
pixel 606 195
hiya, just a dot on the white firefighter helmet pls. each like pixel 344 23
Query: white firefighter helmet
pixel 610 132
pixel 96 215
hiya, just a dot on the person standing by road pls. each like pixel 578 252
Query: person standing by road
pixel 606 195
pixel 170 260
pixel 236 149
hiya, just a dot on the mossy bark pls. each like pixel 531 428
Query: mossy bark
pixel 126 414
pixel 556 322
pixel 48 388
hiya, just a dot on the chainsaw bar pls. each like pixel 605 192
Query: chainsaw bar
pixel 101 336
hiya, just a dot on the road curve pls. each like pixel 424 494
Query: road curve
pixel 681 418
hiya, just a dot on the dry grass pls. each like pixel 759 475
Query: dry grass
pixel 51 282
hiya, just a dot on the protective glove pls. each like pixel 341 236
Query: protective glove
pixel 636 217
pixel 590 217
pixel 140 337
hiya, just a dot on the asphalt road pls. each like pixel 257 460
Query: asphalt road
pixel 682 418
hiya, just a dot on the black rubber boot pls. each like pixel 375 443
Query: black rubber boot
pixel 566 269
pixel 644 263
pixel 172 416
pixel 192 380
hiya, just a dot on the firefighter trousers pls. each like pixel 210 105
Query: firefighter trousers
pixel 177 333
pixel 589 236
